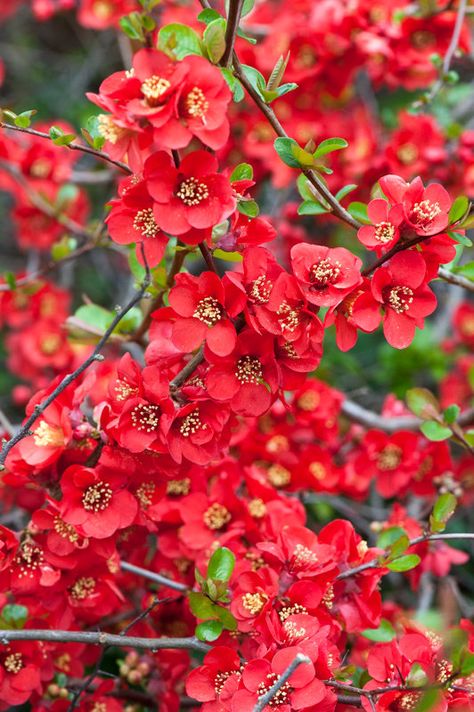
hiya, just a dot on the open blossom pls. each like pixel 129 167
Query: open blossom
pixel 217 679
pixel 383 233
pixel 426 210
pixel 326 274
pixel 200 305
pixel 191 196
pixel 96 501
pixel 400 287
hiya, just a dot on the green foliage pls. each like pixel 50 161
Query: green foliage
pixel 383 634
pixel 214 39
pixel 221 564
pixel 443 510
pixel 243 171
pixel 359 212
pixel 404 563
pixel 179 41
pixel 207 604
pixel 13 616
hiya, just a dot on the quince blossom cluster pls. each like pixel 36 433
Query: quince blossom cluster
pixel 216 437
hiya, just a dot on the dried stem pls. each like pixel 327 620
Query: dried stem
pixel 152 576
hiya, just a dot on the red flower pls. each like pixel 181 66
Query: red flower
pixel 20 666
pixel 198 432
pixel 200 305
pixel 191 196
pixel 131 220
pixel 426 209
pixel 247 378
pixel 302 690
pixel 217 679
pixel 300 551
pixel 326 274
pixel 400 287
pixel 383 233
pixel 200 107
pixel 96 501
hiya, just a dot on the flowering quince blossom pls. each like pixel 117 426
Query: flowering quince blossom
pixel 191 196
pixel 202 478
pixel 326 274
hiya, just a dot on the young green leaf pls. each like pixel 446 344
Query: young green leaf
pixel 383 634
pixel 179 41
pixel 221 564
pixel 243 171
pixel 459 209
pixel 435 431
pixel 404 563
pixel 422 402
pixel 359 212
pixel 209 630
pixel 330 145
pixel 201 606
pixel 443 509
pixel 214 39
pixel 291 153
pixel 248 208
pixel 310 207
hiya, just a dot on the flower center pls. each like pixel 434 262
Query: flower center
pixel 390 458
pixel 260 289
pixel 424 212
pixel 254 602
pixel 318 470
pixel 146 417
pixel 196 103
pixel 153 89
pixel 144 223
pixel 123 390
pixel 323 273
pixel 249 370
pixel 216 516
pixel 409 701
pixel 145 493
pixel 302 556
pixel 209 311
pixel 292 631
pixel 288 316
pixel 222 677
pixel 309 401
pixel 328 598
pixel 191 424
pixel 13 663
pixel 65 530
pixel 192 191
pixel 102 9
pixel 407 153
pixel 47 435
pixel 50 344
pixel 257 508
pixel 29 558
pixel 421 39
pixel 287 611
pixel 278 476
pixel 178 487
pixel 108 129
pixel 384 232
pixel 400 298
pixel 281 696
pixel 97 497
pixel 83 588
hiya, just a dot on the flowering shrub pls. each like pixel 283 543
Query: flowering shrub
pixel 195 513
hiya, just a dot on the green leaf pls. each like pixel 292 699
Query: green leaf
pixel 243 171
pixel 458 209
pixel 201 606
pixel 179 41
pixel 59 138
pixel 24 119
pixel 398 547
pixel 208 15
pixel 359 212
pixel 435 431
pixel 277 72
pixel 462 239
pixel 225 617
pixel 383 634
pixel 247 7
pixel 63 248
pixel 422 402
pixel 95 315
pixel 291 153
pixel 451 413
pixel 310 207
pixel 305 188
pixel 255 78
pixel 227 256
pixel 13 616
pixel 467 664
pixel 390 536
pixel 443 509
pixel 429 701
pixel 345 191
pixel 330 145
pixel 466 270
pixel 221 564
pixel 250 40
pixel 209 630
pixel 248 208
pixel 131 27
pixel 404 563
pixel 214 39
pixel 10 279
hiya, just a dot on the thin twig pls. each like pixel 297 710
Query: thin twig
pixel 72 146
pixel 206 253
pixel 185 372
pixel 456 279
pixel 152 576
pixel 71 377
pixel 369 419
pixel 233 19
pixel 99 638
pixel 263 700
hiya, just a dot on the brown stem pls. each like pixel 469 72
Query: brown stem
pixel 72 146
pixel 456 279
pixel 233 19
pixel 207 256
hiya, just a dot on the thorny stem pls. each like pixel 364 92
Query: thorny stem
pixel 72 146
